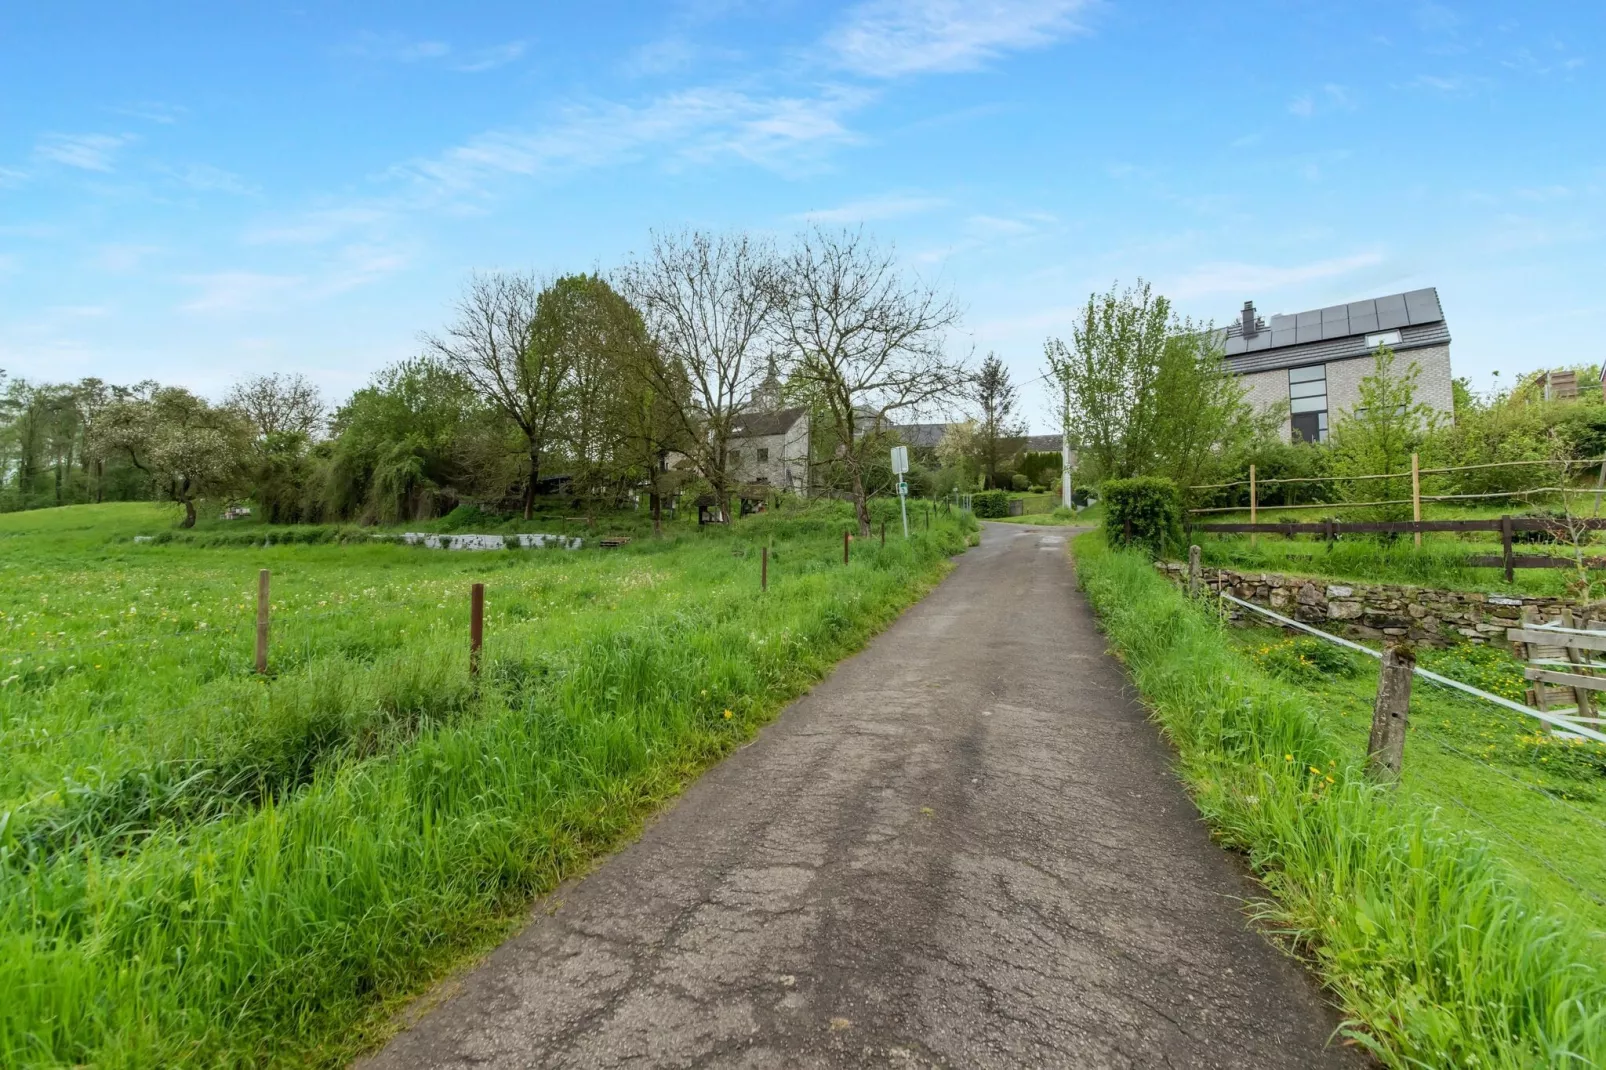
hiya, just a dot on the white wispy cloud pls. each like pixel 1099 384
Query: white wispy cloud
pixel 890 38
pixel 152 111
pixel 239 291
pixel 488 59
pixel 122 258
pixel 870 209
pixel 318 225
pixel 394 48
pixel 692 125
pixel 88 152
pixel 1331 97
pixel 1240 278
pixel 205 178
pixel 11 176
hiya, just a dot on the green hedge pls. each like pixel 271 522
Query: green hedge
pixel 1144 511
pixel 990 503
pixel 1438 957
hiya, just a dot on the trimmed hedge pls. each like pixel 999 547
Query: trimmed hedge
pixel 1144 511
pixel 990 503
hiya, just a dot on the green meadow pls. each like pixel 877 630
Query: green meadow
pixel 204 866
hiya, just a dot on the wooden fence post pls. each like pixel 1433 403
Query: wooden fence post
pixel 262 621
pixel 883 533
pixel 1254 506
pixel 764 569
pixel 476 626
pixel 844 547
pixel 1416 496
pixel 1505 545
pixel 1193 572
pixel 1385 750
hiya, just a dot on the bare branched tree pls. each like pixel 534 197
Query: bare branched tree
pixel 866 343
pixel 709 303
pixel 497 346
pixel 279 403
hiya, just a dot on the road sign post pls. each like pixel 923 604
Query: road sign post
pixel 900 468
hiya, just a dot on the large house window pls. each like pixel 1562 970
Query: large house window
pixel 735 458
pixel 763 455
pixel 1307 402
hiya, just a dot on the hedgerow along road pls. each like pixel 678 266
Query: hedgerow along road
pixel 964 848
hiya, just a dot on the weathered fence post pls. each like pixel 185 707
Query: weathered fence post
pixel 1193 572
pixel 1505 545
pixel 1385 750
pixel 844 547
pixel 883 533
pixel 1416 496
pixel 476 626
pixel 1126 530
pixel 1254 506
pixel 764 569
pixel 262 621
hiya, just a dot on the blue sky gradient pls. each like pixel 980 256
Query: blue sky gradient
pixel 198 192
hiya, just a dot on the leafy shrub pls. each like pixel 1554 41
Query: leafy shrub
pixel 1148 506
pixel 990 503
pixel 1302 659
pixel 1019 482
pixel 465 516
pixel 1486 667
pixel 1062 513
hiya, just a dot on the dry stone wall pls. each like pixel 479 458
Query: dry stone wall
pixel 1374 610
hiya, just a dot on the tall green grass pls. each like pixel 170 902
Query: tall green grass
pixel 1436 955
pixel 200 867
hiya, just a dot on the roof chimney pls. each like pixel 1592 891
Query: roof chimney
pixel 1249 319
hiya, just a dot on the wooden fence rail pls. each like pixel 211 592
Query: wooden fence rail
pixel 1506 526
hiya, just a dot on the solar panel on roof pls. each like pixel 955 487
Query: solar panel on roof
pixel 1308 319
pixel 1423 306
pixel 1335 314
pixel 1363 323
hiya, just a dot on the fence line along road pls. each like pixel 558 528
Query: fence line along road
pixel 1427 674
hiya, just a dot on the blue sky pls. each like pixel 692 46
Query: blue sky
pixel 198 192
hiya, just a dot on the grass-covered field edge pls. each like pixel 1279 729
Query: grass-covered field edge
pixel 1436 953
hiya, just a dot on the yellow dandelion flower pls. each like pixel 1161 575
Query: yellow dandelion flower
pixel 727 715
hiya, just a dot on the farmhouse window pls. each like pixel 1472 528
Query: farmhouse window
pixel 1307 402
pixel 763 454
pixel 736 458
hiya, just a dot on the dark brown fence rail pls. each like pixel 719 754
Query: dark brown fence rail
pixel 1506 526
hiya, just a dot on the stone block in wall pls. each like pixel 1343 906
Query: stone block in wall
pixel 1309 595
pixel 1335 592
pixel 1343 610
pixel 1310 614
pixel 1280 597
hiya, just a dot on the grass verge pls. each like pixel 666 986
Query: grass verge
pixel 1437 954
pixel 202 867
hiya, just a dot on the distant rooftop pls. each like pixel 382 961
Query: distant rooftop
pixel 1334 333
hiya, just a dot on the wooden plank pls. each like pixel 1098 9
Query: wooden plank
pixel 1570 680
pixel 1583 642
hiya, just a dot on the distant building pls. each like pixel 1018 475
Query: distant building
pixel 772 448
pixel 1314 361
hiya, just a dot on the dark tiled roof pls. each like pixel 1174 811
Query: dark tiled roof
pixel 1044 443
pixel 757 424
pixel 1336 332
pixel 920 436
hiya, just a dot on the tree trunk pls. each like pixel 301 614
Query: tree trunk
pixel 657 504
pixel 535 477
pixel 189 513
pixel 861 503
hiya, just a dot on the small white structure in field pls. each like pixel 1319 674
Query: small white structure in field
pixel 489 542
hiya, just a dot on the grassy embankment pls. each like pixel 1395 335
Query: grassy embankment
pixel 1445 946
pixel 203 867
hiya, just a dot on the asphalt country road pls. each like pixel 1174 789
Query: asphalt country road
pixel 964 849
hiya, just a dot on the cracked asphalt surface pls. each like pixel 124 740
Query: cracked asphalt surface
pixel 964 849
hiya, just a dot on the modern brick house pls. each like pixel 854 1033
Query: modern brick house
pixel 1314 361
